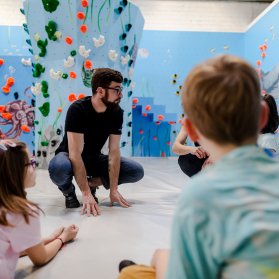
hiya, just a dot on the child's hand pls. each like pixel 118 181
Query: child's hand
pixel 69 233
pixel 54 235
pixel 199 152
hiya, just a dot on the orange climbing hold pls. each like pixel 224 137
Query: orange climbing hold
pixel 6 115
pixel 59 109
pixel 10 81
pixel 148 108
pixel 25 128
pixel 2 61
pixel 83 28
pixel 81 96
pixel 135 100
pixel 80 15
pixel 6 89
pixel 73 75
pixel 69 40
pixel 72 97
pixel 2 108
pixel 160 117
pixel 88 64
pixel 84 3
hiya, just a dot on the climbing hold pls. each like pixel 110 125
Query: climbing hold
pixel 83 28
pixel 50 5
pixel 69 41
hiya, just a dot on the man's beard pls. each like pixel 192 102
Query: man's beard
pixel 111 105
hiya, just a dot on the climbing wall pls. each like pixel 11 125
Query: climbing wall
pixel 68 39
pixel 17 103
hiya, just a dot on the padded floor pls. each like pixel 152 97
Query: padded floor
pixel 119 233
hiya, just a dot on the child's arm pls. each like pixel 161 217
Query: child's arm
pixel 40 254
pixel 180 148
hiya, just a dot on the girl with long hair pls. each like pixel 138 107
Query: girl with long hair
pixel 19 217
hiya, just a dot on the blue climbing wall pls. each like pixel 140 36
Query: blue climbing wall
pixel 68 39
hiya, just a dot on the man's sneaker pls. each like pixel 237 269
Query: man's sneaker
pixel 93 192
pixel 71 200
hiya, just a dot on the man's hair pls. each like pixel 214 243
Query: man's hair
pixel 273 119
pixel 13 168
pixel 222 99
pixel 102 77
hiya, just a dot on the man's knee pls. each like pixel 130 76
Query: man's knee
pixel 136 172
pixel 60 169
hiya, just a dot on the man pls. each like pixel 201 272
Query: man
pixel 89 123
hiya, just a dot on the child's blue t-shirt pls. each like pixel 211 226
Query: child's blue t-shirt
pixel 227 221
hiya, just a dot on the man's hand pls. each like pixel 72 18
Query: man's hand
pixel 200 152
pixel 89 204
pixel 115 196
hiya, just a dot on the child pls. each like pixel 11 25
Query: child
pixel 227 221
pixel 191 158
pixel 19 218
pixel 268 138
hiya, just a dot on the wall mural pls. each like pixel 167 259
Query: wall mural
pixel 17 104
pixel 68 39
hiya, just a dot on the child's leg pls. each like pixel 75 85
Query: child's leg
pixel 137 272
pixel 190 164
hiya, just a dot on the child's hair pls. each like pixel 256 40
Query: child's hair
pixel 13 168
pixel 273 118
pixel 222 99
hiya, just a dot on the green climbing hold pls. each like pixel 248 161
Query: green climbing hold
pixel 50 5
pixel 42 46
pixel 36 122
pixel 45 89
pixel 73 53
pixel 39 132
pixel 65 76
pixel 38 70
pixel 28 41
pixel 44 143
pixel 44 109
pixel 22 11
pixel 51 28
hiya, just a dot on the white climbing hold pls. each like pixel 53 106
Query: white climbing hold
pixel 37 37
pixel 69 62
pixel 55 74
pixel 58 35
pixel 26 62
pixel 112 54
pixel 125 59
pixel 83 52
pixel 37 89
pixel 99 42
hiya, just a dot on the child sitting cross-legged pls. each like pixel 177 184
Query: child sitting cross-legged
pixel 19 217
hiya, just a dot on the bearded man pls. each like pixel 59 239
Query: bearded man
pixel 89 123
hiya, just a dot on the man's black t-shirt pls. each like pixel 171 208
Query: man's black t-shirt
pixel 96 127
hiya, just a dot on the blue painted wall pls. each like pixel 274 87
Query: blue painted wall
pixel 265 31
pixel 164 59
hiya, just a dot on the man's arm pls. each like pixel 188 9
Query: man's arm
pixel 76 143
pixel 114 168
